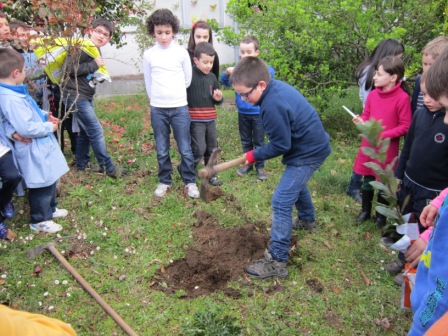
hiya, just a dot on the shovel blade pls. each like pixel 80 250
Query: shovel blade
pixel 35 251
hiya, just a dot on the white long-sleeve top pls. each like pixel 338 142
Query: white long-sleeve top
pixel 167 72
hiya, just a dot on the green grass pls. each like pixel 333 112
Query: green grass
pixel 131 235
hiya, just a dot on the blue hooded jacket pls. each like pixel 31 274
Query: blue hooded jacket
pixel 41 162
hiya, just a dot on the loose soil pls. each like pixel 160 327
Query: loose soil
pixel 218 255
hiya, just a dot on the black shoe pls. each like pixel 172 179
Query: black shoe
pixel 114 173
pixel 366 206
pixel 363 216
pixel 355 194
pixel 214 181
pixel 380 220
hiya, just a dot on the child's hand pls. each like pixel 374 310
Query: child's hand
pixel 414 252
pixel 99 60
pixel 217 95
pixel 357 120
pixel 399 182
pixel 17 137
pixel 52 119
pixel 428 214
pixel 55 127
pixel 229 71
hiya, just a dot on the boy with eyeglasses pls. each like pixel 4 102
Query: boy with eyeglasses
pixel 295 132
pixel 78 96
pixel 249 121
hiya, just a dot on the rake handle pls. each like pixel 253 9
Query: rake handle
pixel 91 291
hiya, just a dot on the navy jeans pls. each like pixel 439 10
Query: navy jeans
pixel 42 203
pixel 204 140
pixel 162 119
pixel 90 135
pixel 9 179
pixel 251 133
pixel 291 191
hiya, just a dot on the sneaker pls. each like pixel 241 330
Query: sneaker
pixel 261 174
pixel 299 224
pixel 395 266
pixel 3 230
pixel 8 210
pixel 267 267
pixel 192 190
pixel 47 227
pixel 6 233
pixel 244 170
pixel 117 171
pixel 60 213
pixel 161 190
pixel 92 167
pixel 214 181
pixel 399 279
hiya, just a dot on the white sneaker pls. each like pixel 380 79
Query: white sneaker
pixel 192 190
pixel 161 190
pixel 46 226
pixel 60 213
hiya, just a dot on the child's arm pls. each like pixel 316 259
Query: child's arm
pixel 76 68
pixel 405 152
pixel 147 76
pixel 188 69
pixel 20 119
pixel 404 120
pixel 225 76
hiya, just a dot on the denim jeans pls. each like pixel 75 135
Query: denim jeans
pixel 291 191
pixel 90 135
pixel 9 179
pixel 204 140
pixel 251 133
pixel 42 203
pixel 162 119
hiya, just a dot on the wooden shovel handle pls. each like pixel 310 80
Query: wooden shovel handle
pixel 229 164
pixel 91 291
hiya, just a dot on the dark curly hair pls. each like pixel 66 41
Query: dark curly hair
pixel 162 17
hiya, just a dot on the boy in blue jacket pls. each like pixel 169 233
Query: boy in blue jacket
pixel 40 161
pixel 296 132
pixel 429 297
pixel 249 121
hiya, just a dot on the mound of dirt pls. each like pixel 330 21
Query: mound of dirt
pixel 216 256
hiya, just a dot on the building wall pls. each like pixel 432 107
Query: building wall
pixel 127 60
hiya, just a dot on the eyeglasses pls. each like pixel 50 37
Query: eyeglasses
pixel 245 96
pixel 100 32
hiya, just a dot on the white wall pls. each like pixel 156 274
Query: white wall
pixel 127 60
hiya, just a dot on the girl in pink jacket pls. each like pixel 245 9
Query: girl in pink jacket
pixel 389 104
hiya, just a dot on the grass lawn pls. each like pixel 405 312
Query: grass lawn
pixel 126 240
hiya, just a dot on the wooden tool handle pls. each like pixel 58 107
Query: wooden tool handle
pixel 229 164
pixel 91 291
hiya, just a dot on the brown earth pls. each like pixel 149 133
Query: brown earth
pixel 217 256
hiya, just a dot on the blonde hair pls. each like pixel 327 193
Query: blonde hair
pixel 435 46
